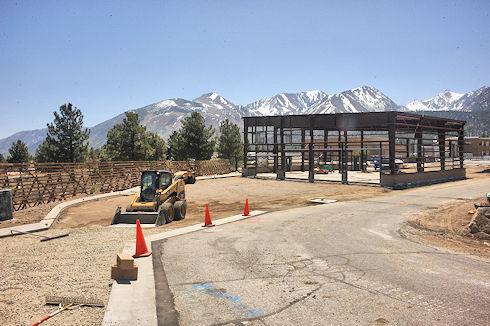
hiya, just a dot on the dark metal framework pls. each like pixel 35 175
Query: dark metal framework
pixel 346 139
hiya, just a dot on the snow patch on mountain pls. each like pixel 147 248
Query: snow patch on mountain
pixel 445 101
pixel 285 103
pixel 361 99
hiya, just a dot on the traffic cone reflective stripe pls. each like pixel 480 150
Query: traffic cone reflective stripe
pixel 207 218
pixel 141 248
pixel 246 212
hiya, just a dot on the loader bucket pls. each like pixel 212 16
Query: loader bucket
pixel 131 217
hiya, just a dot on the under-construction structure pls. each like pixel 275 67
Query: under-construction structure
pixel 392 148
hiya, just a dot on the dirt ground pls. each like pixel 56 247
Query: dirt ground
pixel 226 197
pixel 448 227
pixel 33 214
pixel 79 265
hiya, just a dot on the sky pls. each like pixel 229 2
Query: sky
pixel 107 57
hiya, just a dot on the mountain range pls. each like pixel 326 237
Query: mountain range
pixel 165 116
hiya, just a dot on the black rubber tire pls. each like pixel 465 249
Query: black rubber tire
pixel 192 180
pixel 180 209
pixel 167 211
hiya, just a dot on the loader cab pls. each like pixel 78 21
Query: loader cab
pixel 151 181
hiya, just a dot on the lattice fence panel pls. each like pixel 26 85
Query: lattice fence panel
pixel 34 184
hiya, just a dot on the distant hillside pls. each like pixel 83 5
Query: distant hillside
pixel 32 138
pixel 477 122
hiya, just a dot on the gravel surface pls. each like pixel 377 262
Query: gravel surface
pixel 77 265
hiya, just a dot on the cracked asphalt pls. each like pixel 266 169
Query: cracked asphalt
pixel 335 264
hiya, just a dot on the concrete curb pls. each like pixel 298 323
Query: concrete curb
pixel 47 221
pixel 219 176
pixel 134 303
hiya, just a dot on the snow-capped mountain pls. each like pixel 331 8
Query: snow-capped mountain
pixel 166 116
pixel 215 101
pixel 285 104
pixel 444 101
pixel 475 101
pixel 361 99
pixel 451 101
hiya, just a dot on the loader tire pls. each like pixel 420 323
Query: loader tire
pixel 166 213
pixel 180 209
pixel 192 180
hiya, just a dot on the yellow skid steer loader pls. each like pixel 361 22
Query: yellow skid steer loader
pixel 160 200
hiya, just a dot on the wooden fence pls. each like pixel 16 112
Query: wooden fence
pixel 34 184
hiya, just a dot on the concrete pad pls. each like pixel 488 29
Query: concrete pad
pixel 338 264
pixel 353 176
pixel 133 302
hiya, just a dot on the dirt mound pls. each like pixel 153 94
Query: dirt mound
pixel 480 223
pixel 449 227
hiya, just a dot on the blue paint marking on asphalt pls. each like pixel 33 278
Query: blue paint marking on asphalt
pixel 208 289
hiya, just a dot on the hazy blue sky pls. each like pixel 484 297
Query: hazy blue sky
pixel 108 57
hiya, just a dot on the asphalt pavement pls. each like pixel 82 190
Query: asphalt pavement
pixel 336 264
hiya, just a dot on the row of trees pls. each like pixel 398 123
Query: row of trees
pixel 67 141
pixel 196 141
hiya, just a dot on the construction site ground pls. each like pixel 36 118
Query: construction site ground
pixel 448 226
pixel 225 197
pixel 79 265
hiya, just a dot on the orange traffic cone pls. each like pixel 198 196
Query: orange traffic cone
pixel 246 212
pixel 141 248
pixel 207 218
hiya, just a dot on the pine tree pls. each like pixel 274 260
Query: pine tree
pixel 175 147
pixel 157 145
pixel 125 141
pixel 129 141
pixel 66 138
pixel 46 152
pixel 197 138
pixel 230 144
pixel 2 159
pixel 18 153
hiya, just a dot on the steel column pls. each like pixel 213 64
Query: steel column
pixel 245 143
pixel 441 137
pixel 420 158
pixel 362 158
pixel 391 147
pixel 303 140
pixel 275 150
pixel 461 147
